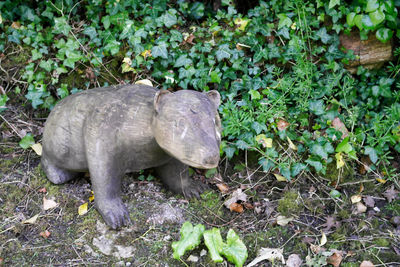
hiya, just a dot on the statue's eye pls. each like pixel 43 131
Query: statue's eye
pixel 193 110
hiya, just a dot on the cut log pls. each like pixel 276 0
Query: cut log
pixel 370 53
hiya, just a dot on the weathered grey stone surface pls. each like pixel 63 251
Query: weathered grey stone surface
pixel 114 130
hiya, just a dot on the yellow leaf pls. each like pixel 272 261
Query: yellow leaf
pixel 242 23
pixel 291 145
pixel 293 26
pixel 37 148
pixel 262 139
pixel 49 203
pixel 339 160
pixel 355 199
pixel 1 19
pixel 126 65
pixel 323 239
pixel 31 220
pixel 144 82
pixel 282 220
pixel 91 198
pixel 146 53
pixel 83 209
pixel 382 181
pixel 280 178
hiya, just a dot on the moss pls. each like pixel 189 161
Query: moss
pixel 350 264
pixel 344 214
pixel 382 242
pixel 344 174
pixel 212 201
pixel 289 205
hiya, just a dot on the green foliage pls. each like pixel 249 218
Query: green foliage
pixel 234 250
pixel 27 141
pixel 374 15
pixel 285 64
pixel 190 238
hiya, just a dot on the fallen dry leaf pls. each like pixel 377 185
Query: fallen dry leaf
pixel 31 220
pixel 145 82
pixel 236 207
pixel 323 239
pixel 42 190
pixel 237 195
pixel 280 178
pixel 223 188
pixel 339 126
pixel 83 209
pixel 291 145
pixel 192 258
pixel 37 148
pixel 366 264
pixel 15 25
pixel 361 208
pixel 49 203
pixel 369 201
pixel 282 125
pixel 355 199
pixel 45 234
pixel 294 260
pixel 391 194
pixel 269 254
pixel 316 249
pixel 330 222
pixel 336 258
pixel 282 220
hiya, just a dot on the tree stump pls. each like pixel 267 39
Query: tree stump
pixel 370 53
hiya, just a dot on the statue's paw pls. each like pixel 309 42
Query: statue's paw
pixel 194 189
pixel 114 213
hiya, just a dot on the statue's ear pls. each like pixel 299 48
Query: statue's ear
pixel 157 98
pixel 215 97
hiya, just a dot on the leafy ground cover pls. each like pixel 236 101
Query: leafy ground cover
pixel 313 149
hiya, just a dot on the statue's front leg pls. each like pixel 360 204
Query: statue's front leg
pixel 175 175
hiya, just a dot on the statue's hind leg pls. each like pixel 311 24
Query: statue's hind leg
pixel 55 174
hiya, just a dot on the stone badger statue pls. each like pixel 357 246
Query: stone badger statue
pixel 114 130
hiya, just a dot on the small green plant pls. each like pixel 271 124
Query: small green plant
pixel 374 15
pixel 234 250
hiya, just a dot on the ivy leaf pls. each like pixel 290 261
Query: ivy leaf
pixel 344 146
pixel 223 52
pixel 159 51
pixel 333 3
pixel 27 141
pixel 215 78
pixel 190 238
pixel 106 21
pixel 323 35
pixel 170 19
pixel 317 107
pixel 367 22
pixel 214 243
pixel 46 64
pixel 384 34
pixel 91 32
pixel 197 10
pixel 36 54
pixel 61 26
pixel 234 250
pixel 284 20
pixel 372 5
pixel 319 150
pixel 358 21
pixel 371 152
pixel 377 17
pixel 63 91
pixel 350 19
pixel 297 168
pixel 316 164
pixel 182 60
pixel 112 47
pixel 3 101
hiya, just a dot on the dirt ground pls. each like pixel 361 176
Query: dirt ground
pixel 299 217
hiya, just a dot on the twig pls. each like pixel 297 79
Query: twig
pixel 11 126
